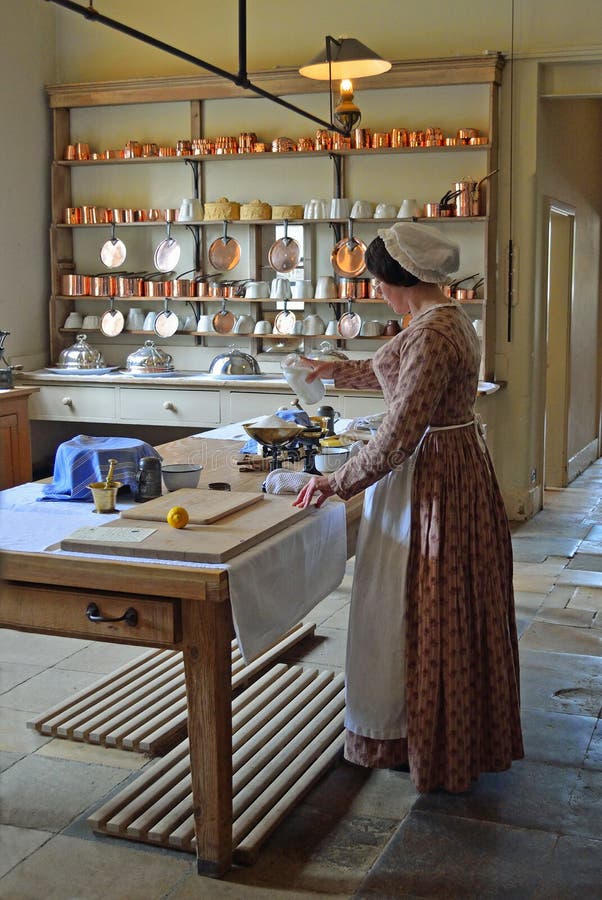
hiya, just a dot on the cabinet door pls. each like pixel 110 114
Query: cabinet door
pixel 9 451
pixel 171 406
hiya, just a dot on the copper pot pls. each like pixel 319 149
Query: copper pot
pixel 73 285
pixel 374 289
pixel 157 287
pixel 199 287
pixel 181 287
pixel 99 285
pixel 432 210
pixel 354 288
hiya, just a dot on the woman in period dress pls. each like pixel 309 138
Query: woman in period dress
pixel 432 656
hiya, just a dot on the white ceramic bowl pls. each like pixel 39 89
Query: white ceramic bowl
pixel 181 475
pixel 330 459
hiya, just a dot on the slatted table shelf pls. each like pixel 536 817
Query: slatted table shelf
pixel 142 705
pixel 287 731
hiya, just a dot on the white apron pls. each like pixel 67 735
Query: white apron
pixel 375 664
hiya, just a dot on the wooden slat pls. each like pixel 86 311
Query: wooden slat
pixel 142 706
pixel 279 757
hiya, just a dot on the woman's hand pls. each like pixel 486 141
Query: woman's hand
pixel 319 485
pixel 319 369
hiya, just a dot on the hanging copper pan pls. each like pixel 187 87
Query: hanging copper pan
pixel 223 321
pixel 348 256
pixel 111 321
pixel 113 252
pixel 224 252
pixel 167 252
pixel 284 254
pixel 350 323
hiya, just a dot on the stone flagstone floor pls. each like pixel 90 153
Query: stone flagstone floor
pixel 533 832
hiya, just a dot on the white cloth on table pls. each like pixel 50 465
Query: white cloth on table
pixel 272 586
pixel 283 481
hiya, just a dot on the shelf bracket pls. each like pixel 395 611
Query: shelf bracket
pixel 338 172
pixel 195 165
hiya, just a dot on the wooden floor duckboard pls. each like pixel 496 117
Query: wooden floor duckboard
pixel 142 705
pixel 287 731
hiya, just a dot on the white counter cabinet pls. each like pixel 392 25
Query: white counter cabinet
pixel 188 403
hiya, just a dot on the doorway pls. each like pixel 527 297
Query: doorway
pixel 559 303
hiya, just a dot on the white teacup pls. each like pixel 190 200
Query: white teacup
pixel 191 210
pixel 91 322
pixel 362 209
pixel 302 290
pixel 257 290
pixel 373 328
pixel 313 324
pixel 187 323
pixel 385 211
pixel 316 209
pixel 205 323
pixel 408 209
pixel 281 289
pixel 340 208
pixel 244 325
pixel 263 327
pixel 326 288
pixel 135 319
pixel 74 320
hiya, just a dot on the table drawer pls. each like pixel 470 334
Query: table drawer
pixel 73 402
pixel 61 611
pixel 171 406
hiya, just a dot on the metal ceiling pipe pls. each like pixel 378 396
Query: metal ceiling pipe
pixel 241 79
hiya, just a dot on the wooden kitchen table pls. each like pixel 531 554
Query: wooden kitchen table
pixel 48 593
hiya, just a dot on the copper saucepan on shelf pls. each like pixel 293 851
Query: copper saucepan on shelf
pixel 354 288
pixel 158 285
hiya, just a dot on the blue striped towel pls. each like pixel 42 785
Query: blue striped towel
pixel 85 459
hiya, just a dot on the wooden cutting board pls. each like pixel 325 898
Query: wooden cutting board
pixel 203 506
pixel 213 543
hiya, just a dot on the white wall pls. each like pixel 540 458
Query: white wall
pixel 27 63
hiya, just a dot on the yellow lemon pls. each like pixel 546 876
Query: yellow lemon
pixel 177 517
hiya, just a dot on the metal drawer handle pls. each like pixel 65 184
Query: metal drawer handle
pixel 130 616
pixel 67 401
pixel 169 404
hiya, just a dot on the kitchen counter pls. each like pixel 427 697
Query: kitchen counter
pixel 202 380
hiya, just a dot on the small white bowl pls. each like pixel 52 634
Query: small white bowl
pixel 330 459
pixel 181 475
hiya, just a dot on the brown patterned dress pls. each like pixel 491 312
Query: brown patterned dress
pixel 458 647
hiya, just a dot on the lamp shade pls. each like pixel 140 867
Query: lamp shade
pixel 349 58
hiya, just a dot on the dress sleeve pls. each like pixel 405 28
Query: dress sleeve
pixel 421 371
pixel 355 373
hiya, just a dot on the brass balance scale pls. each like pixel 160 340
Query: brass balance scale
pixel 288 443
